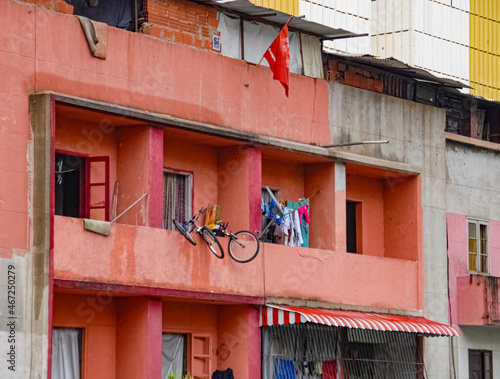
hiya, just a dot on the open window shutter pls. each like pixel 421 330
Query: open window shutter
pixel 97 188
pixel 200 356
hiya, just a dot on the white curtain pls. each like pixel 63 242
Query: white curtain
pixel 230 36
pixel 257 38
pixel 172 354
pixel 65 353
pixel 311 53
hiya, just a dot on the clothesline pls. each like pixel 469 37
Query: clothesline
pixel 291 227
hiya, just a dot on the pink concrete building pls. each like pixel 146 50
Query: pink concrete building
pixel 163 120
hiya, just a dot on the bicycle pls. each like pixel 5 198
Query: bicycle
pixel 186 228
pixel 243 246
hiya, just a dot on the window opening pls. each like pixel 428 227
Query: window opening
pixel 174 355
pixel 351 226
pixel 82 186
pixel 67 353
pixel 69 190
pixel 123 14
pixel 268 214
pixel 480 365
pixel 478 246
pixel 177 204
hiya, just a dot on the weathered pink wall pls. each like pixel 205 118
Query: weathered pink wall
pixel 149 257
pixel 133 174
pixel 324 228
pixel 402 218
pixel 43 50
pixel 192 318
pixel 287 177
pixel 467 293
pixel 370 192
pixel 97 315
pixel 239 187
pixel 138 337
pixel 200 161
pixel 335 277
pixel 239 333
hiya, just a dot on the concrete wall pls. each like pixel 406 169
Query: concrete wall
pixel 472 191
pixel 477 338
pixel 416 135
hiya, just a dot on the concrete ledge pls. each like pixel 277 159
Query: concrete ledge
pixel 472 141
pixel 161 120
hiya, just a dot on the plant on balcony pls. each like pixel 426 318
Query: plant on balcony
pixel 172 376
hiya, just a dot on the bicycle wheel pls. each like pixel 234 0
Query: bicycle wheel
pixel 243 246
pixel 212 242
pixel 182 230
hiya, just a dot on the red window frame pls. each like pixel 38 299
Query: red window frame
pixel 89 184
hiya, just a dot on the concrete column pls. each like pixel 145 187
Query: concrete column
pixel 155 194
pixel 138 338
pixel 37 317
pixel 139 166
pixel 239 182
pixel 238 331
pixel 340 207
pixel 324 182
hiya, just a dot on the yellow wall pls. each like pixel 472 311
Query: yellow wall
pixel 286 6
pixel 485 48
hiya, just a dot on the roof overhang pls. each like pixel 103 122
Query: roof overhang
pixel 252 11
pixel 285 315
pixel 397 67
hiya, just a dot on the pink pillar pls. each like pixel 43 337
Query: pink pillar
pixel 138 338
pixel 239 331
pixel 155 159
pixel 239 181
pixel 320 184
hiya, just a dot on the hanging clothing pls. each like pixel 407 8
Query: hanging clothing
pixel 330 370
pixel 297 233
pixel 284 369
pixel 285 225
pixel 226 374
pixel 304 218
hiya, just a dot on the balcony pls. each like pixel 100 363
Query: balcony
pixel 161 259
pixel 478 300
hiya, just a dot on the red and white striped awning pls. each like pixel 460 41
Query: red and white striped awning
pixel 284 315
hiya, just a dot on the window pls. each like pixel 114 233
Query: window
pixel 268 214
pixel 185 354
pixel 82 186
pixel 124 14
pixel 66 353
pixel 478 246
pixel 178 189
pixel 352 219
pixel 173 355
pixel 480 365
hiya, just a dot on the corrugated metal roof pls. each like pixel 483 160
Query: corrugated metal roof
pixel 245 7
pixel 401 68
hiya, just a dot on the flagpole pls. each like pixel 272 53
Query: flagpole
pixel 290 19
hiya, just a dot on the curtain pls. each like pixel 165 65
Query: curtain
pixel 177 198
pixel 172 355
pixel 311 53
pixel 65 353
pixel 257 38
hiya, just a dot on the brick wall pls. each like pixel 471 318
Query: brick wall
pixel 173 20
pixel 181 21
pixel 56 5
pixel 354 76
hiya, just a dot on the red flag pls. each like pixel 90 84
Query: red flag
pixel 278 56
